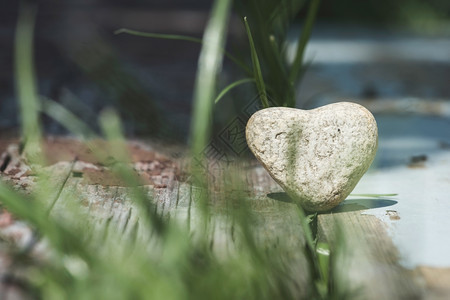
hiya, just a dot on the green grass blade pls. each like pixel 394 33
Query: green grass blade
pixel 159 35
pixel 323 257
pixel 182 38
pixel 26 83
pixel 209 65
pixel 30 209
pixel 256 67
pixel 303 40
pixel 67 119
pixel 112 128
pixel 232 86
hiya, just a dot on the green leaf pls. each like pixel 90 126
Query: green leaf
pixel 256 68
pixel 232 86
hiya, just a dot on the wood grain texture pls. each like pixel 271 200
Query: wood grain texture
pixel 274 224
pixel 366 257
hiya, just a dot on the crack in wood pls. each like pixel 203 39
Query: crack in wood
pixel 127 220
pixel 5 161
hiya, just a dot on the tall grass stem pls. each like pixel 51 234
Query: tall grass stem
pixel 209 66
pixel 25 81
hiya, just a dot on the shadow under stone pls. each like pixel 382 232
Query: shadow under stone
pixel 346 206
pixel 362 204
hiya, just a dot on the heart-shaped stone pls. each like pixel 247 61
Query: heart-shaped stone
pixel 317 156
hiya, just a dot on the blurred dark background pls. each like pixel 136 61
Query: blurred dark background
pixel 366 50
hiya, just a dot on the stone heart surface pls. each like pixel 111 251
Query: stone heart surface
pixel 317 156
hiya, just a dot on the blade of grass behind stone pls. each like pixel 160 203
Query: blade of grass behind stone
pixel 232 86
pixel 270 21
pixel 256 68
pixel 186 38
pixel 159 35
pixel 303 40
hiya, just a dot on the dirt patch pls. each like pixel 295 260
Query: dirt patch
pixel 95 160
pixel 105 177
pixel 150 166
pixel 97 152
